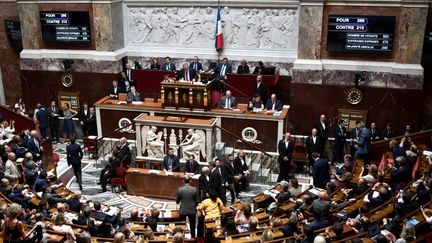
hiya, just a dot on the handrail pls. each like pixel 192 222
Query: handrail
pixel 115 130
pixel 18 114
pixel 229 86
pixel 241 139
pixel 411 135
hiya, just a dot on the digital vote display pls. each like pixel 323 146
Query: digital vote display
pixel 349 33
pixel 63 27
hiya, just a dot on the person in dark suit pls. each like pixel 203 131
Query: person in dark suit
pixel 243 68
pixel 259 68
pixel 192 165
pixel 312 145
pixel 375 135
pixel 133 95
pixel 320 172
pixel 155 64
pixel 363 144
pixel 126 83
pixel 34 146
pixel 168 66
pixel 261 89
pixel 389 132
pixel 74 156
pixel 228 101
pixel 196 65
pixel 322 128
pixel 384 195
pixel 124 153
pixel 400 172
pixel 241 168
pixel 42 117
pixel 115 90
pixel 187 197
pixel 339 142
pixel 355 133
pixel 222 69
pixel 83 115
pixel 396 149
pixel 204 181
pixel 186 74
pixel 273 104
pixel 231 178
pixel 128 72
pixel 407 131
pixel 91 123
pixel 217 181
pixel 171 162
pixel 53 119
pixel 74 203
pixel 285 150
pixel 255 104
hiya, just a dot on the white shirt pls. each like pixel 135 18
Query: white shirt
pixel 323 125
pixel 314 139
pixel 222 73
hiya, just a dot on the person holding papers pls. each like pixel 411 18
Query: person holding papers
pixel 228 101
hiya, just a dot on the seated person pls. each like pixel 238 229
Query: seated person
pixel 228 101
pixel 186 74
pixel 133 95
pixel 168 66
pixel 196 65
pixel 155 64
pixel 171 162
pixel 223 69
pixel 255 104
pixel 243 68
pixel 273 104
pixel 259 68
pixel 192 165
pixel 115 90
pixel 384 194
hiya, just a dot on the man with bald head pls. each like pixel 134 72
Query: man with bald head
pixel 124 153
pixel 313 144
pixel 34 146
pixel 228 101
pixel 273 104
pixel 322 127
pixel 11 171
pixel 321 210
pixel 285 149
pixel 204 180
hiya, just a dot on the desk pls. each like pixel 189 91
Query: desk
pixel 142 183
pixel 186 95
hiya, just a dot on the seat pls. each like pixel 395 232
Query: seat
pixel 116 183
pixel 119 179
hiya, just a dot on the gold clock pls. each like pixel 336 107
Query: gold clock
pixel 354 96
pixel 67 80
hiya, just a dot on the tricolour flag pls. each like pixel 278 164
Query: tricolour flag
pixel 219 35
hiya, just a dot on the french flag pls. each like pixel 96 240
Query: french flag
pixel 219 35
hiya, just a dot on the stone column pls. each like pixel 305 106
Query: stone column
pixel 30 26
pixel 102 22
pixel 310 29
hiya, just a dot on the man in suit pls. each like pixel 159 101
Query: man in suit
pixel 168 66
pixel 186 74
pixel 133 95
pixel 34 146
pixel 363 144
pixel 273 104
pixel 231 178
pixel 222 69
pixel 228 101
pixel 243 68
pixel 187 197
pixel 241 168
pixel 91 123
pixel 217 181
pixel 171 162
pixel 11 170
pixel 115 90
pixel 124 153
pixel 355 133
pixel 285 150
pixel 339 142
pixel 126 83
pixel 375 135
pixel 192 165
pixel 204 181
pixel 42 117
pixel 312 145
pixel 388 133
pixel 261 89
pixel 74 155
pixel 321 171
pixel 196 65
pixel 128 73
pixel 53 119
pixel 83 115
pixel 322 128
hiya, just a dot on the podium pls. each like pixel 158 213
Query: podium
pixel 185 95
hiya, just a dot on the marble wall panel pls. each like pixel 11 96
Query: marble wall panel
pixel 30 26
pixel 80 65
pixel 310 28
pixel 103 35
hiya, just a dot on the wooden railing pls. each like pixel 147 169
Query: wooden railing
pixel 21 122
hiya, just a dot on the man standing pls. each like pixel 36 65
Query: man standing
pixel 11 171
pixel 83 115
pixel 186 74
pixel 204 180
pixel 339 142
pixel 223 69
pixel 217 181
pixel 363 144
pixel 168 66
pixel 74 155
pixel 53 115
pixel 91 123
pixel 322 128
pixel 196 65
pixel 124 152
pixel 187 197
pixel 285 149
pixel 321 171
pixel 312 145
pixel 261 89
pixel 34 146
pixel 42 116
pixel 242 169
pixel 171 162
pixel 231 178
pixel 375 135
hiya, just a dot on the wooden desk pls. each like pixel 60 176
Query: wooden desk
pixel 186 95
pixel 141 182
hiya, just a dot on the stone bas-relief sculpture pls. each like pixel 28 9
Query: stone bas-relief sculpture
pixel 193 144
pixel 195 26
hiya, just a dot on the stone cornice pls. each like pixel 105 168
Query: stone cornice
pixel 380 3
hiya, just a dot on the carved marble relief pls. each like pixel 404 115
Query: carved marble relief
pixel 195 26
